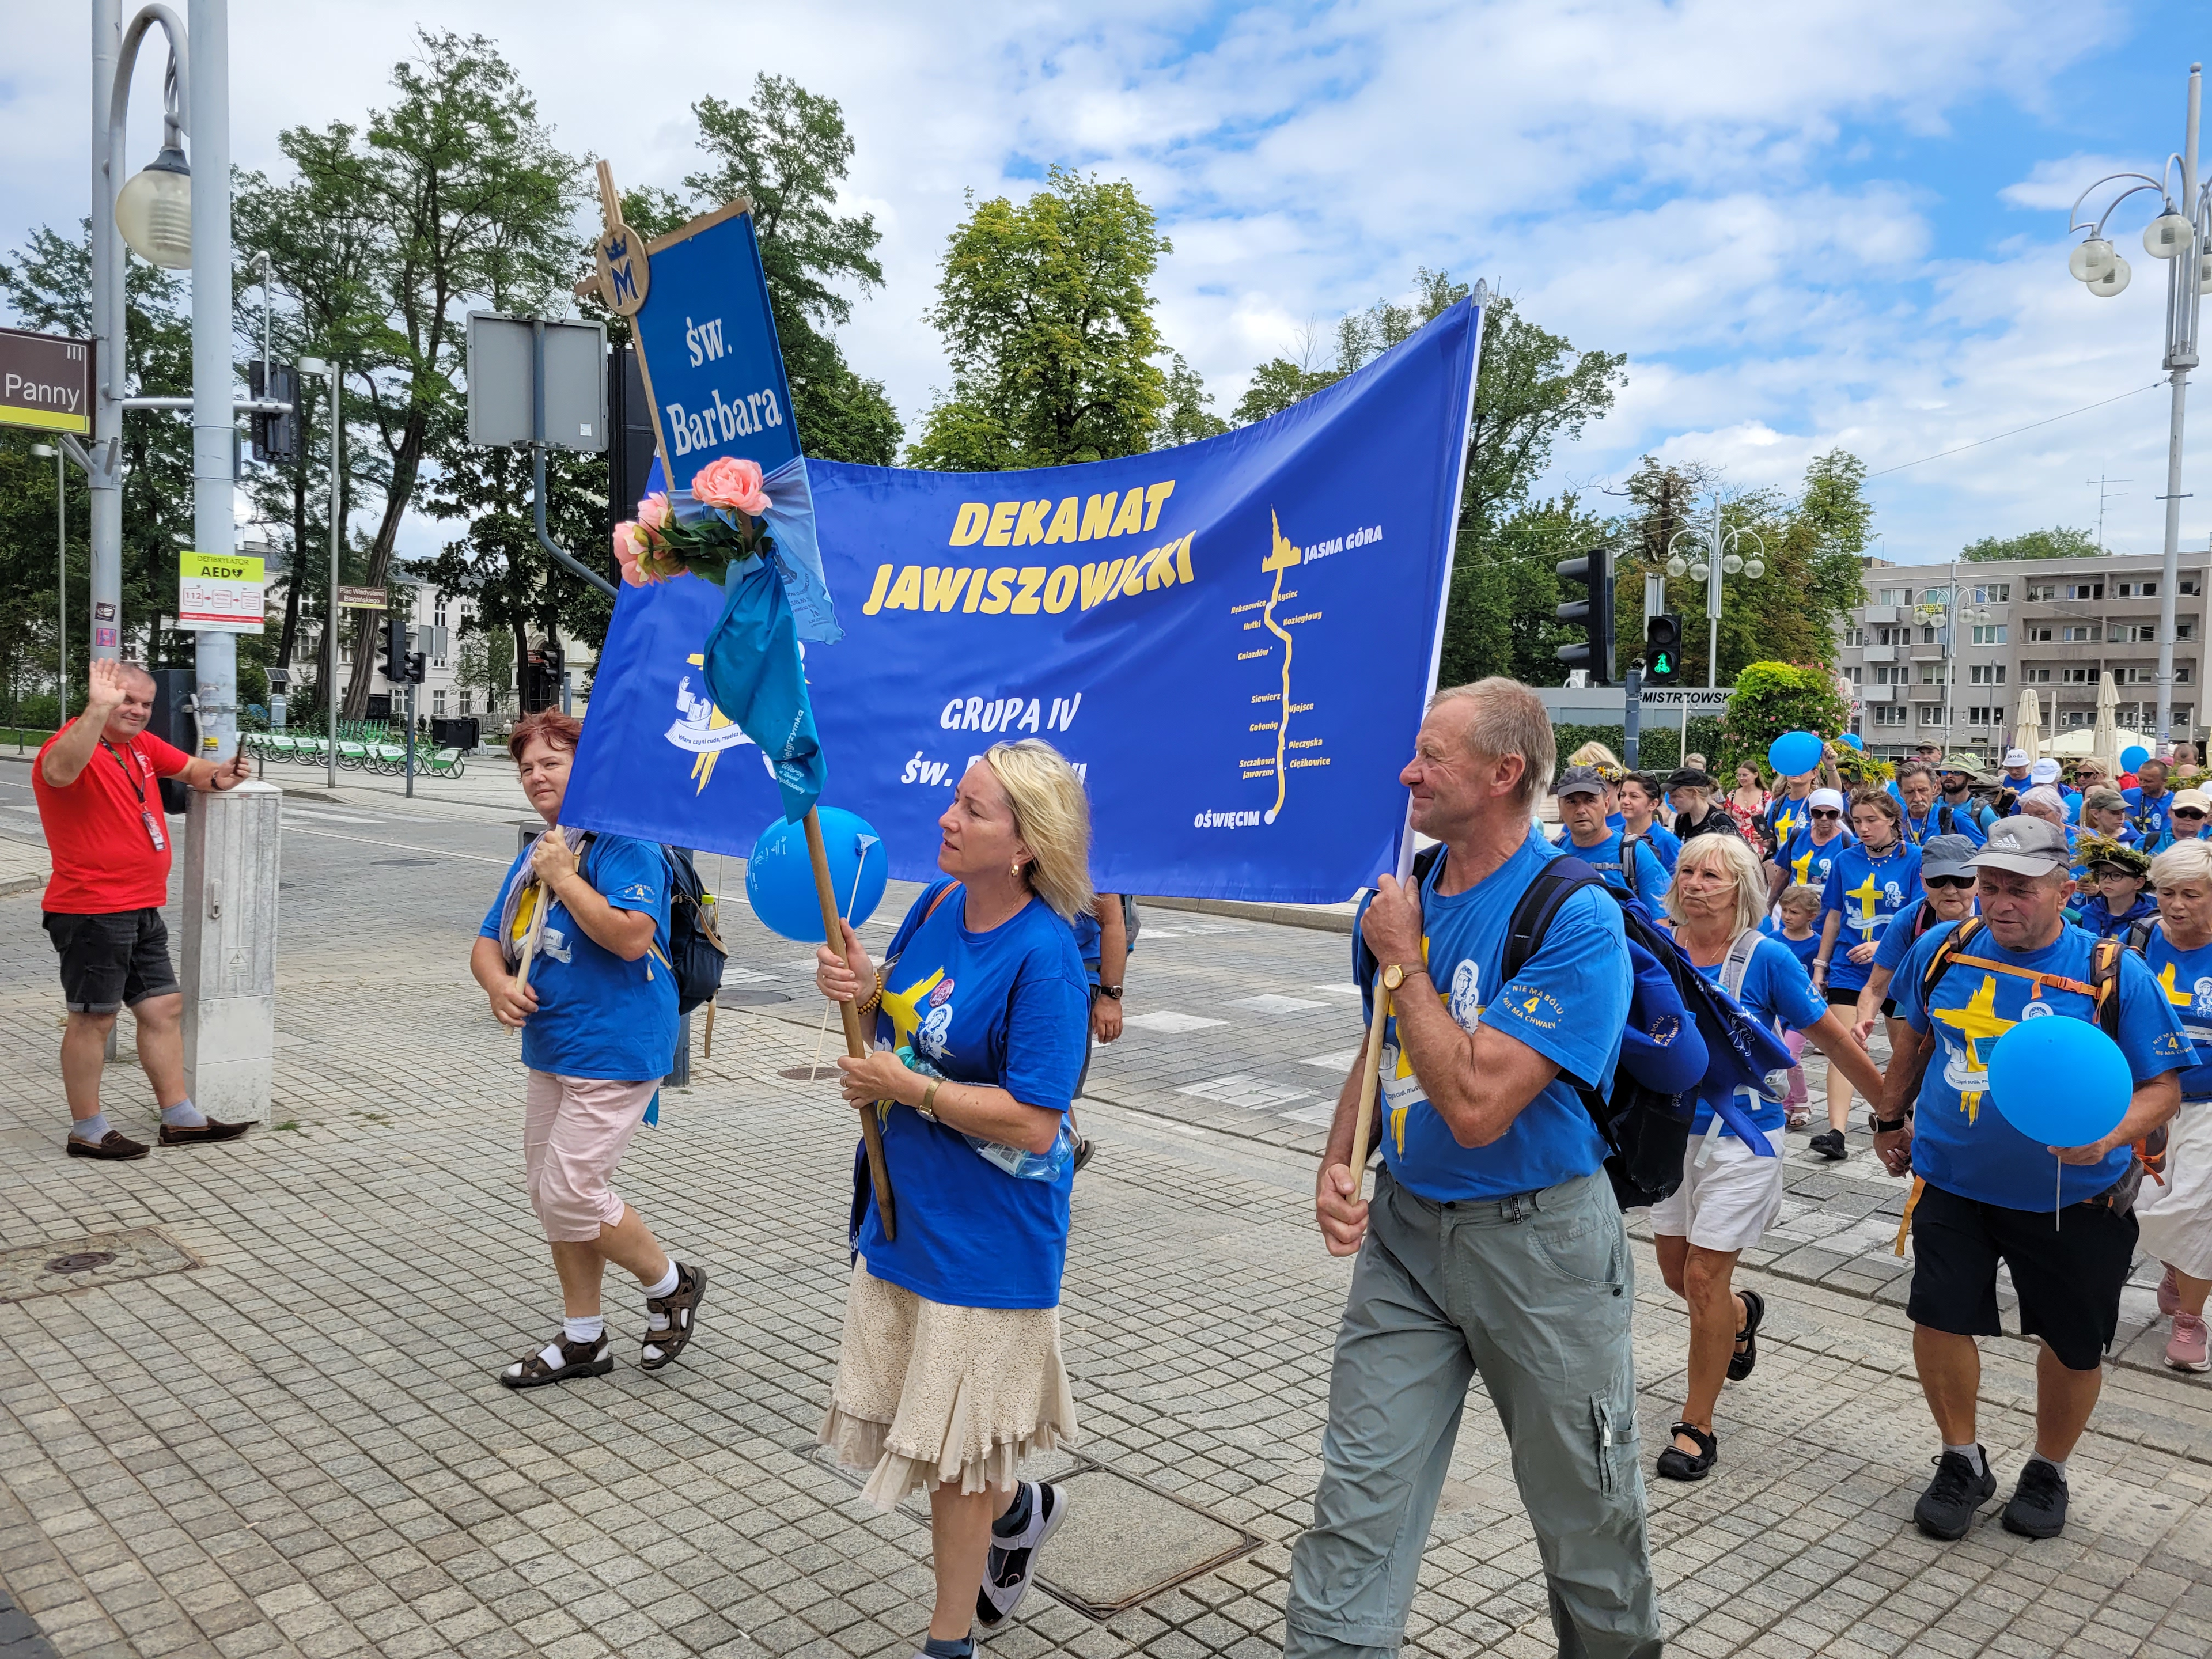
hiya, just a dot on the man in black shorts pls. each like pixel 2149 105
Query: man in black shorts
pixel 98 786
pixel 1983 1192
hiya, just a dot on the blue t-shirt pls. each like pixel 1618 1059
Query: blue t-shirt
pixel 1897 939
pixel 1778 993
pixel 1803 948
pixel 2095 916
pixel 1666 843
pixel 1960 1141
pixel 1651 879
pixel 1808 861
pixel 1866 889
pixel 1569 1003
pixel 2152 823
pixel 1009 1009
pixel 598 1016
pixel 2184 977
pixel 1970 817
pixel 1787 818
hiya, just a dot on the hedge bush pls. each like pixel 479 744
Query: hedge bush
pixel 1659 743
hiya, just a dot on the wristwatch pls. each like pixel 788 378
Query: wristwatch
pixel 1886 1125
pixel 1112 991
pixel 1393 977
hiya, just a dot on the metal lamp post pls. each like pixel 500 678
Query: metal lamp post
pixel 1714 553
pixel 328 371
pixel 2182 235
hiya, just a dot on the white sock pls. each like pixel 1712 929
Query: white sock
pixel 1971 1454
pixel 659 1321
pixel 91 1130
pixel 2057 1464
pixel 585 1330
pixel 184 1115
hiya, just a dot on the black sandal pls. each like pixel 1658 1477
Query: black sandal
pixel 661 1346
pixel 1742 1362
pixel 559 1360
pixel 1675 1464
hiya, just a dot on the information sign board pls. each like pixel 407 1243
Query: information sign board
pixel 220 593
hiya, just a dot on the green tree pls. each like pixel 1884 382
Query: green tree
pixel 457 192
pixel 1045 309
pixel 486 663
pixel 1360 334
pixel 1771 698
pixel 788 150
pixel 1189 415
pixel 2060 542
pixel 1504 589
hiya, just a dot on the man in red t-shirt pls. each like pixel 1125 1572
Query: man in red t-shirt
pixel 99 801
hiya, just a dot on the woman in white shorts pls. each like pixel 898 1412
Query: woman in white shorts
pixel 2177 1217
pixel 1730 1195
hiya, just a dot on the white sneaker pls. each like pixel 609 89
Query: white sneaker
pixel 1012 1562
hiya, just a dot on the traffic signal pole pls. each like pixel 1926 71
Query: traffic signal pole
pixel 1631 717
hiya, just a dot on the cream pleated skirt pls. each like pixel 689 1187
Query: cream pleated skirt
pixel 928 1394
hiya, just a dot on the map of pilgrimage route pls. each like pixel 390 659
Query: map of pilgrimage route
pixel 1283 556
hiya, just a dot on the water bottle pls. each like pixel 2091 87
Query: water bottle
pixel 1021 1164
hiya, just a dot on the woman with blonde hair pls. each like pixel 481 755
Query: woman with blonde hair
pixel 950 1371
pixel 2177 1217
pixel 1731 1192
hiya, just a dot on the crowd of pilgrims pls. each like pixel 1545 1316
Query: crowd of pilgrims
pixel 1857 867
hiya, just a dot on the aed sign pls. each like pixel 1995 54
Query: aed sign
pixel 220 593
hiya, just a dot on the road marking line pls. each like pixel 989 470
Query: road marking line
pixel 396 847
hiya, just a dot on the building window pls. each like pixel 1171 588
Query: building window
pixel 2085 590
pixel 438 611
pixel 2185 631
pixel 2040 635
pixel 2135 590
pixel 1934 673
pixel 1993 634
pixel 2181 713
pixel 1986 673
pixel 2075 717
pixel 1933 713
pixel 1895 596
pixel 468 699
pixel 2077 677
pixel 1994 593
pixel 2041 592
pixel 1884 674
pixel 1854 636
pixel 1888 635
pixel 2035 677
pixel 1852 674
pixel 2190 585
pixel 1927 636
pixel 1889 714
pixel 1935 596
pixel 2136 634
pixel 2078 632
pixel 1982 716
pixel 437 705
pixel 2181 673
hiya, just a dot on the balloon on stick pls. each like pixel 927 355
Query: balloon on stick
pixel 1795 753
pixel 779 875
pixel 2132 757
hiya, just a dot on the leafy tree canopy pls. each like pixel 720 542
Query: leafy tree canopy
pixel 2060 542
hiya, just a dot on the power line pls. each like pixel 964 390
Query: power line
pixel 2030 427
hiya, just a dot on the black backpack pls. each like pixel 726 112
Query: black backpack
pixel 696 952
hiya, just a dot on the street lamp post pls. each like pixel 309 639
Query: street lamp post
pixel 1713 553
pixel 2182 235
pixel 330 370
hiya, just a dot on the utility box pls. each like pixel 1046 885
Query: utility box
pixel 227 962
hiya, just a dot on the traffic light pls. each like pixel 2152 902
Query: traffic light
pixel 395 647
pixel 276 437
pixel 1663 649
pixel 1594 615
pixel 415 667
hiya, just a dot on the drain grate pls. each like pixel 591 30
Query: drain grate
pixel 747 996
pixel 825 1072
pixel 61 1264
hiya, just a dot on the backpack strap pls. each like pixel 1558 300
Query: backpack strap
pixel 1628 845
pixel 1562 878
pixel 2105 984
pixel 1363 959
pixel 1737 963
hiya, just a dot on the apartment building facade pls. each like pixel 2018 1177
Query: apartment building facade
pixel 1940 653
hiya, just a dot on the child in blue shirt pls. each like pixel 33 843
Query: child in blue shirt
pixel 1795 928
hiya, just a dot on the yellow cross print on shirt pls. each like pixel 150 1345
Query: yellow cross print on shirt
pixel 1786 823
pixel 2178 999
pixel 1977 1021
pixel 905 1008
pixel 1801 867
pixel 1869 895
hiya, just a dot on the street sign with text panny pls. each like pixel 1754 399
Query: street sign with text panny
pixel 45 382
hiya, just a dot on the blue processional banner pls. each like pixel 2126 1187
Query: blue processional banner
pixel 1234 640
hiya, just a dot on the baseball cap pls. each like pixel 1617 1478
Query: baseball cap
pixel 2044 771
pixel 1689 777
pixel 2015 758
pixel 1825 797
pixel 2196 798
pixel 2028 847
pixel 1946 855
pixel 1580 781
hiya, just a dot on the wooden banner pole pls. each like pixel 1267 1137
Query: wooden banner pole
pixel 856 1044
pixel 1370 1077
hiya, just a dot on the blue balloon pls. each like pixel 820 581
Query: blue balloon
pixel 2132 757
pixel 1854 740
pixel 780 876
pixel 1794 752
pixel 2060 1082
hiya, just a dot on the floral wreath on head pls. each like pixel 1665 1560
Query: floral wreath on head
pixel 2094 850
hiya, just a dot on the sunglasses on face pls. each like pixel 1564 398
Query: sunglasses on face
pixel 2187 812
pixel 1825 813
pixel 1947 881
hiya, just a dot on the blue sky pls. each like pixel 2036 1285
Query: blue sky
pixel 1811 225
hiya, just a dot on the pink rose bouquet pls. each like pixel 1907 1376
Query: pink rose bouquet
pixel 719 527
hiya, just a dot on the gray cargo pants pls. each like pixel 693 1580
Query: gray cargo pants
pixel 1534 1292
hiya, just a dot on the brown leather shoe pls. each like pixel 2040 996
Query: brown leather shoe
pixel 113 1145
pixel 208 1131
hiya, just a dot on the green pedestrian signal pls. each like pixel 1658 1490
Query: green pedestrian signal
pixel 1663 642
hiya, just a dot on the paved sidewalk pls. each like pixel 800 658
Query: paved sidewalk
pixel 282 1436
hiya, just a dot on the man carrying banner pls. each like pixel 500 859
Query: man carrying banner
pixel 1493 1242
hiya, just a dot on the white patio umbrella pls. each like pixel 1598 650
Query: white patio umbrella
pixel 2027 723
pixel 2105 743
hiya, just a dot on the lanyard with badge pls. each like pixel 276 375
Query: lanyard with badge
pixel 145 813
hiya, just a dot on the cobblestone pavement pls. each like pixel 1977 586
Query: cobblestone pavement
pixel 294 1444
